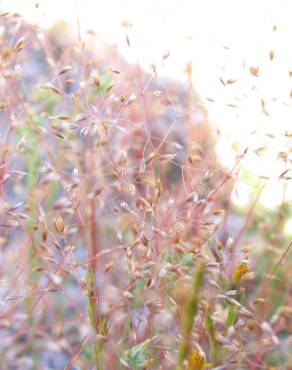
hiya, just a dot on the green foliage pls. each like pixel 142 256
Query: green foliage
pixel 188 316
pixel 232 315
pixel 119 159
pixel 188 259
pixel 47 99
pixel 32 157
pixel 103 88
pixel 137 357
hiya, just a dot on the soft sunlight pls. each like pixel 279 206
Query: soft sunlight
pixel 145 184
pixel 241 61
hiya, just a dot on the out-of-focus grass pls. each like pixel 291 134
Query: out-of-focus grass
pixel 121 212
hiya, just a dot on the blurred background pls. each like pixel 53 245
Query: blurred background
pixel 242 68
pixel 110 197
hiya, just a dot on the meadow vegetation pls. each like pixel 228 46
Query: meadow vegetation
pixel 117 248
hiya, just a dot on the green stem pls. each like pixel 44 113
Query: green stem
pixel 188 316
pixel 212 339
pixel 97 354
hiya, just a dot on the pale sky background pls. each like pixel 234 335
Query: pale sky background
pixel 223 38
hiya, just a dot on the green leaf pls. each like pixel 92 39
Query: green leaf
pixel 136 357
pixel 232 315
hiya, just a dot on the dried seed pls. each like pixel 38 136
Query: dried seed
pixel 156 93
pixel 128 41
pixel 128 295
pixel 45 235
pixel 19 45
pixel 110 86
pixel 144 240
pixel 239 272
pixel 222 81
pixel 59 225
pixel 254 71
pixel 150 158
pixel 165 55
pixel 166 157
pixel 259 301
pixel 125 206
pixel 63 118
pixel 64 70
pixel 95 78
pixel 114 70
pixel 231 81
pixel 123 158
pixel 49 86
pixel 193 159
pixel 108 266
pixel 95 193
pixel 69 81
